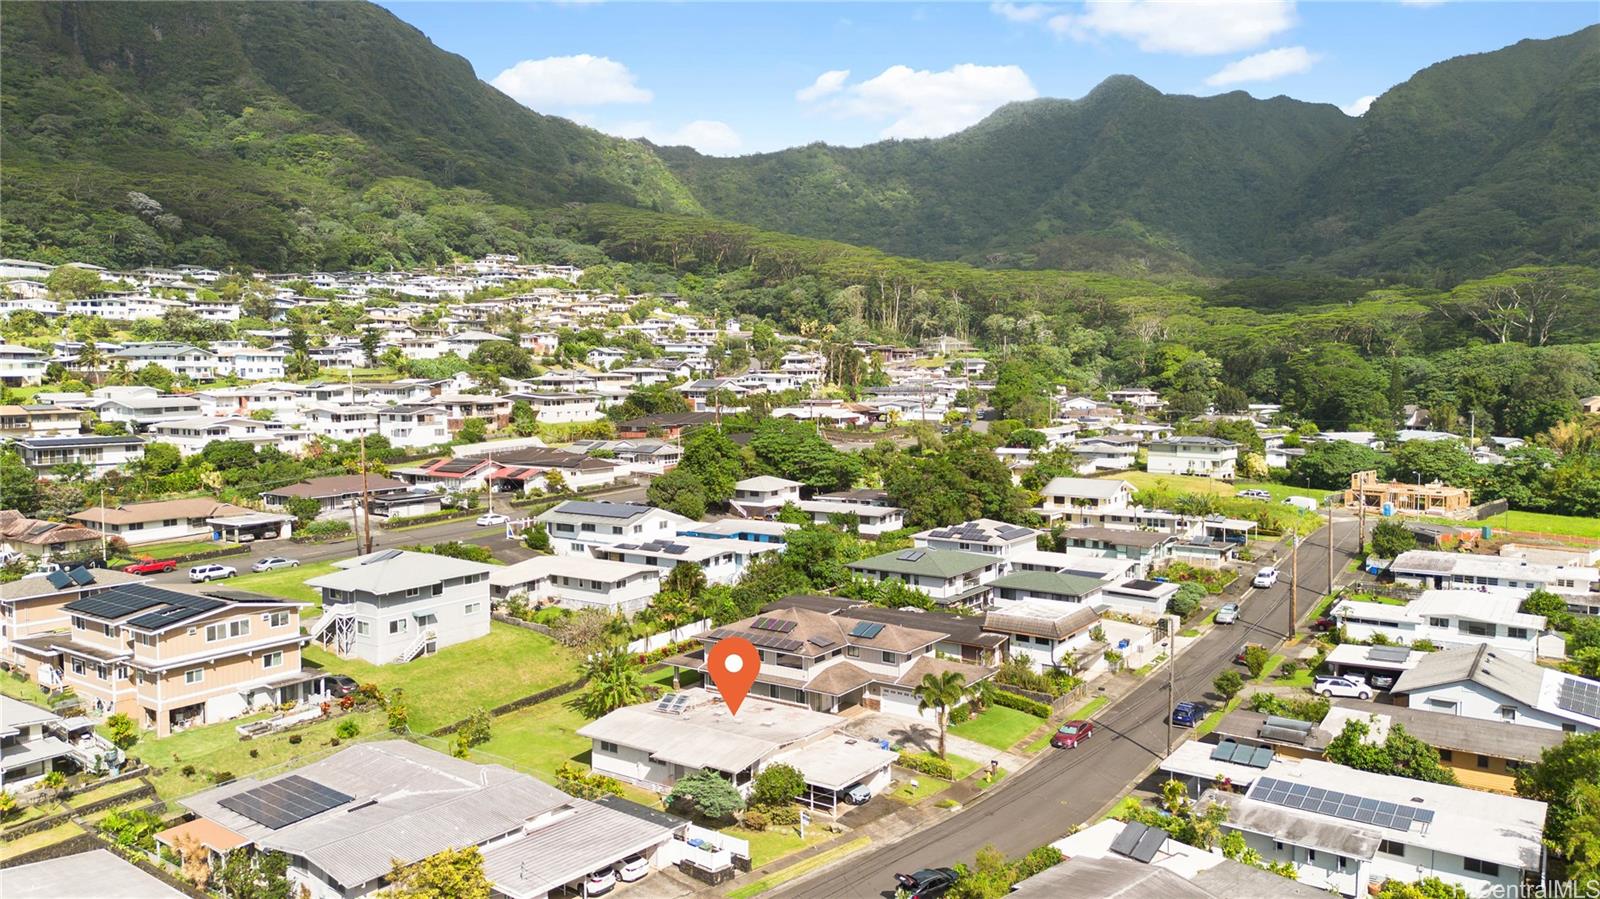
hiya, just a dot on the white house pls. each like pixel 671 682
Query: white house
pixel 949 577
pixel 251 363
pixel 1201 456
pixel 1489 685
pixel 179 358
pixel 413 426
pixel 394 605
pixel 871 520
pixel 605 357
pixel 578 583
pixel 191 435
pixel 1441 570
pixel 22 366
pixel 1108 453
pixel 562 408
pixel 764 496
pixel 1048 634
pixel 100 454
pixel 981 535
pixel 576 526
pixel 1450 619
pixel 722 560
pixel 1066 498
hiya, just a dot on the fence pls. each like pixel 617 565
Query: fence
pixel 541 696
pixel 667 638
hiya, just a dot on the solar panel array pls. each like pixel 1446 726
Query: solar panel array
pixel 773 641
pixel 778 625
pixel 911 555
pixel 1139 842
pixel 1360 809
pixel 83 577
pixel 59 579
pixel 285 801
pixel 822 642
pixel 1580 696
pixel 866 630
pixel 602 510
pixel 1388 653
pixel 1240 754
pixel 673 703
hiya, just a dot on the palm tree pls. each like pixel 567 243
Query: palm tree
pixel 686 579
pixel 941 692
pixel 614 682
pixel 91 360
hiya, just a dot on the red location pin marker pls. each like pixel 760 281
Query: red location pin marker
pixel 733 664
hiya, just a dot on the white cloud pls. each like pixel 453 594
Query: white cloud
pixel 1265 66
pixel 1021 12
pixel 710 137
pixel 921 103
pixel 1360 106
pixel 827 83
pixel 1196 28
pixel 559 81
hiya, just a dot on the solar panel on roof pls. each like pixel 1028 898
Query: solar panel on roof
pixel 1388 653
pixel 866 630
pixel 1378 812
pixel 285 801
pixel 1261 758
pixel 1128 838
pixel 81 576
pixel 59 579
pixel 911 555
pixel 1579 696
pixel 823 642
pixel 1149 845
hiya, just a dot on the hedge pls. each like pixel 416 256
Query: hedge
pixel 1020 703
pixel 430 518
pixel 931 765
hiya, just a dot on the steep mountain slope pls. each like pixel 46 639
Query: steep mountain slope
pixel 1128 164
pixel 293 107
pixel 1475 163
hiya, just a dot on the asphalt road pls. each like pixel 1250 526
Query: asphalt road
pixel 467 531
pixel 1066 787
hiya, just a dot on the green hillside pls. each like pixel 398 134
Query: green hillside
pixel 278 134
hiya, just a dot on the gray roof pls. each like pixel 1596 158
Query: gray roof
pixel 1507 675
pixel 592 837
pixel 939 563
pixel 601 510
pixel 1331 834
pixel 70 875
pixel 407 803
pixel 392 571
pixel 1084 877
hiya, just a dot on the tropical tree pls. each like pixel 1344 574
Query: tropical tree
pixel 708 794
pixel 941 693
pixel 451 874
pixel 614 681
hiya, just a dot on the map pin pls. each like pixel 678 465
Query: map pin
pixel 733 664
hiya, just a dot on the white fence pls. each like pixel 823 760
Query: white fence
pixel 656 641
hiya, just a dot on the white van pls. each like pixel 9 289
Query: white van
pixel 1302 502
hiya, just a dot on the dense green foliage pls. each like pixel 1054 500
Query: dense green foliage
pixel 1399 754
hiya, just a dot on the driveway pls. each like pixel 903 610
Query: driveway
pixel 921 736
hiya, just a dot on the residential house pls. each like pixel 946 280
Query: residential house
pixel 1441 570
pixel 1147 550
pixel 251 363
pixel 1105 453
pixel 1486 684
pixel 30 747
pixel 764 496
pixel 643 454
pixel 368 807
pixel 561 408
pixel 1201 456
pixel 1071 499
pixel 753 530
pixel 395 605
pixel 606 357
pixel 180 358
pixel 870 519
pixel 192 435
pixel 950 577
pixel 722 561
pixel 831 663
pixel 158 521
pixel 531 469
pixel 666 425
pixel 1432 498
pixel 413 426
pixel 1047 633
pixel 964 636
pixel 23 422
pixel 171 660
pixel 577 526
pixel 99 454
pixel 113 877
pixel 33 538
pixel 22 366
pixel 1051 586
pixel 1141 598
pixel 1141 398
pixel 495 411
pixel 1449 619
pixel 142 409
pixel 578 583
pixel 335 493
pixel 653 744
pixel 34 605
pixel 339 421
pixel 981 535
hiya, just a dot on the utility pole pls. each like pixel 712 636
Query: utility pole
pixel 104 556
pixel 1330 545
pixel 366 510
pixel 1294 579
pixel 1172 674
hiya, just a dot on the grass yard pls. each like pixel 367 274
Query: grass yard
pixel 179 548
pixel 926 786
pixel 60 833
pixel 285 583
pixel 540 737
pixel 1535 523
pixel 1122 809
pixel 776 842
pixel 1302 678
pixel 217 748
pixel 1281 492
pixel 1272 665
pixel 998 726
pixel 1177 483
pixel 800 868
pixel 509 663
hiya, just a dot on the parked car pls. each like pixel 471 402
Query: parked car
pixel 1238 658
pixel 924 884
pixel 1342 685
pixel 1069 735
pixel 859 794
pixel 1323 625
pixel 1303 503
pixel 151 566
pixel 1264 578
pixel 1381 681
pixel 632 868
pixel 1254 494
pixel 1228 614
pixel 600 882
pixel 341 684
pixel 199 574
pixel 1188 714
pixel 489 519
pixel 271 563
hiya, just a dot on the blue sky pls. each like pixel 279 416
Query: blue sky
pixel 731 78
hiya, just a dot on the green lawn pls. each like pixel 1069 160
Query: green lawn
pixel 1281 492
pixel 1144 480
pixel 1302 678
pixel 540 737
pixel 776 842
pixel 998 726
pixel 285 583
pixel 1533 523
pixel 797 869
pixel 1368 597
pixel 178 548
pixel 58 834
pixel 926 786
pixel 508 664
pixel 1123 808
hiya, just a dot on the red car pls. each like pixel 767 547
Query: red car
pixel 151 566
pixel 1071 734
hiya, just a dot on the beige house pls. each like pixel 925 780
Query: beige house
pixel 24 536
pixel 172 660
pixel 34 605
pixel 158 522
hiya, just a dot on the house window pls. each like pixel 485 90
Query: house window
pixel 272 659
pixel 397 626
pixel 194 675
pixel 110 630
pixel 1277 845
pixel 853 652
pixel 1311 855
pixel 77 666
pixel 277 619
pixel 1438 622
pixel 1446 755
pixel 1483 761
pixel 1508 713
pixel 890 658
pixel 1390 847
pixel 363 628
pixel 471 608
pixel 607 746
pixel 1517 633
pixel 1475 866
pixel 100 671
pixel 79 623
pixel 1477 628
pixel 226 629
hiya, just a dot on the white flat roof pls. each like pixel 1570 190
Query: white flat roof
pixel 837 762
pixel 567 566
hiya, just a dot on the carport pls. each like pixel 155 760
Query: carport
pixel 253 526
pixel 834 764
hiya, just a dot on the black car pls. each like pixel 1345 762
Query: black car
pixel 925 884
pixel 341 685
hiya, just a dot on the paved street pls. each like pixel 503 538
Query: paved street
pixel 1065 788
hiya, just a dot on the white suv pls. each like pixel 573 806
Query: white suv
pixel 201 573
pixel 1264 578
pixel 1344 685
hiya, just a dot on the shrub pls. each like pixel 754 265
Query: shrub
pixel 347 729
pixel 255 753
pixel 551 615
pixel 574 780
pixel 1228 684
pixel 1020 703
pixel 475 730
pixel 1311 708
pixel 322 530
pixel 221 777
pixel 333 741
pixel 785 815
pixel 294 739
pixel 931 765
pixel 188 770
pixel 1289 668
pixel 961 713
pixel 1038 860
pixel 755 819
pixel 777 784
